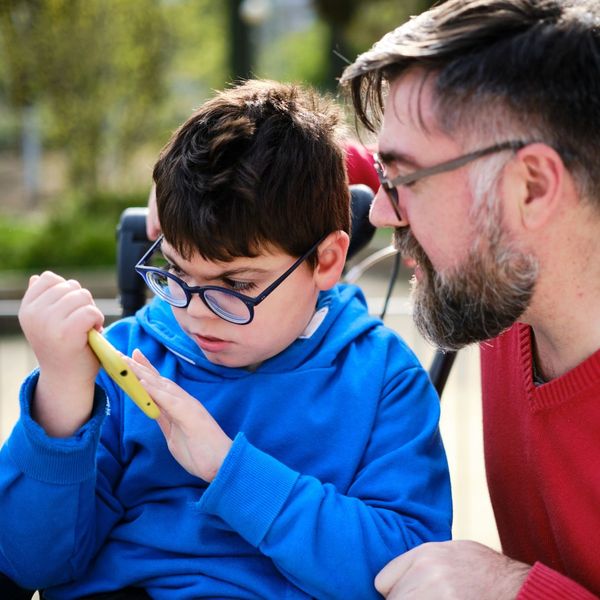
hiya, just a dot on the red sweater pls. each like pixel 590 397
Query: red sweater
pixel 542 453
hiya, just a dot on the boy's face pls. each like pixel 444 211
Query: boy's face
pixel 277 322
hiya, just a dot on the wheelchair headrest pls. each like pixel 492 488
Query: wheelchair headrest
pixel 362 231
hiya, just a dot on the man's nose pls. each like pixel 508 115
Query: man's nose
pixel 384 213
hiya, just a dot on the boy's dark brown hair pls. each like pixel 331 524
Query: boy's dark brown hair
pixel 260 165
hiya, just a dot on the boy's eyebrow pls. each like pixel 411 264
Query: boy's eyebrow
pixel 168 256
pixel 224 274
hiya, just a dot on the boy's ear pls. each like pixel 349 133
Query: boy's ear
pixel 331 254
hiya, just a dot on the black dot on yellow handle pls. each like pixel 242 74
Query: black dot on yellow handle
pixel 123 373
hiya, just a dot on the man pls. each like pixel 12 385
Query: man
pixel 488 152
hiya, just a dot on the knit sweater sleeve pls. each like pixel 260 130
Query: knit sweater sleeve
pixel 331 543
pixel 544 583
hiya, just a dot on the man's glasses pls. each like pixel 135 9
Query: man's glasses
pixel 391 185
pixel 228 304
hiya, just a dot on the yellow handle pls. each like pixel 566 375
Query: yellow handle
pixel 120 372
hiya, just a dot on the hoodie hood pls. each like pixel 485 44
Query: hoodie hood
pixel 339 315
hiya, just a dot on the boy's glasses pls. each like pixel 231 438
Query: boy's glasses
pixel 390 185
pixel 228 304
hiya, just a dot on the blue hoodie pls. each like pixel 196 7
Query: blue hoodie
pixel 336 467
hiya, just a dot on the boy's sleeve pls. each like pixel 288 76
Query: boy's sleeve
pixel 49 505
pixel 330 544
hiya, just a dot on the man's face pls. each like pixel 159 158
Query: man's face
pixel 478 299
pixel 278 320
pixel 471 281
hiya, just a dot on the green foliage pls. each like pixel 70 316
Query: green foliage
pixel 374 19
pixel 77 233
pixel 97 66
pixel 199 59
pixel 110 79
pixel 299 56
pixel 10 130
pixel 15 236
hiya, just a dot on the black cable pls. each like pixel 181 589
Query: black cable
pixel 393 277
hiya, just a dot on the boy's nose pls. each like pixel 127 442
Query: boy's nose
pixel 197 309
pixel 382 213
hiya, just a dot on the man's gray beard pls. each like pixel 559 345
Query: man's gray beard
pixel 476 301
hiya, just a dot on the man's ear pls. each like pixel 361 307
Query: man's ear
pixel 331 255
pixel 542 173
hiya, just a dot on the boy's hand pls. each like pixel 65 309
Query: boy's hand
pixel 55 316
pixel 194 438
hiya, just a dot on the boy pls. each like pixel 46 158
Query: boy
pixel 307 431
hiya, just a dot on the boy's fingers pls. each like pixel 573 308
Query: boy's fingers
pixel 38 284
pixel 48 289
pixel 82 319
pixel 141 370
pixel 170 397
pixel 165 425
pixel 178 405
pixel 139 357
pixel 172 409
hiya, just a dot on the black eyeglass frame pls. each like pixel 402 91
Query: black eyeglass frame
pixel 391 185
pixel 250 302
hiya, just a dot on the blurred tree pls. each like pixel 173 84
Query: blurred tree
pixel 21 87
pixel 95 66
pixel 103 77
pixel 17 24
pixel 355 24
pixel 373 19
pixel 200 61
pixel 241 48
pixel 338 14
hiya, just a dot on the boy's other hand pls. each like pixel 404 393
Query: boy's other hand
pixel 193 437
pixel 55 316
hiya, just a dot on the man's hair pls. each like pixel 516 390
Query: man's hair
pixel 258 166
pixel 502 68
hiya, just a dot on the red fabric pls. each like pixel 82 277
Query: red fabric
pixel 542 451
pixel 359 163
pixel 548 584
